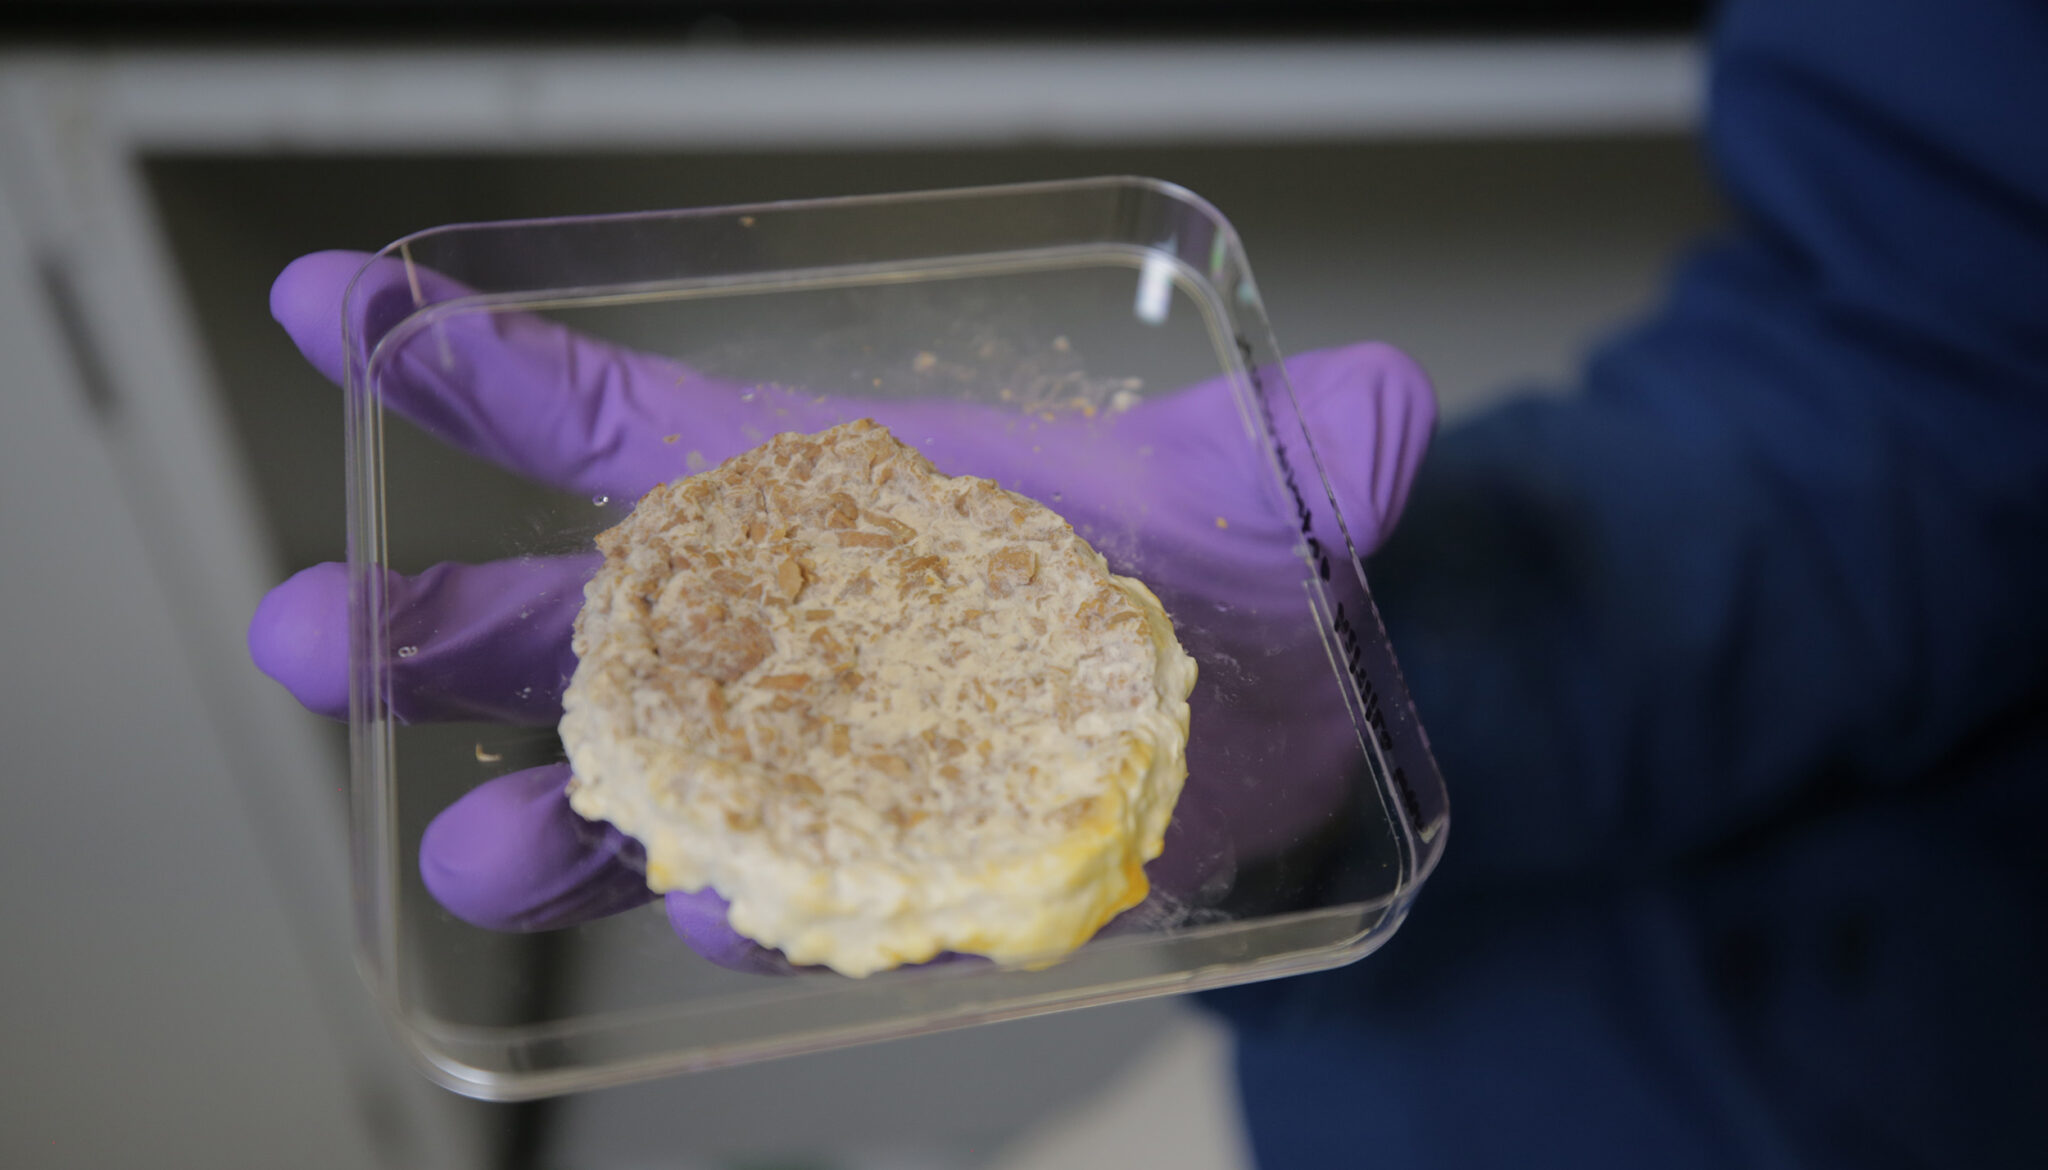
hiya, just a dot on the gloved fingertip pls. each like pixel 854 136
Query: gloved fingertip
pixel 306 298
pixel 700 920
pixel 1403 379
pixel 1408 412
pixel 299 637
pixel 475 856
pixel 1373 412
pixel 512 855
pixel 1383 371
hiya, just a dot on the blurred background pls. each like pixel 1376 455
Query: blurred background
pixel 1488 185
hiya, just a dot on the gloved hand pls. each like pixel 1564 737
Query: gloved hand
pixel 491 642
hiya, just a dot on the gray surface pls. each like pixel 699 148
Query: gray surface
pixel 948 1100
pixel 152 1005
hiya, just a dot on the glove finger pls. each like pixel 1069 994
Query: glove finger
pixel 1179 464
pixel 1265 707
pixel 590 416
pixel 523 392
pixel 512 855
pixel 1371 413
pixel 1171 492
pixel 699 919
pixel 488 642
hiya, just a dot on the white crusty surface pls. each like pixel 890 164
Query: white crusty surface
pixel 883 711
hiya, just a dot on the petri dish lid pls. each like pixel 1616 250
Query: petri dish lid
pixel 1099 345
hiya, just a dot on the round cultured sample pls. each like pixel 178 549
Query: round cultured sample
pixel 883 711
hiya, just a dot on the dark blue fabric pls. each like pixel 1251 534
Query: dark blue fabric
pixel 1736 662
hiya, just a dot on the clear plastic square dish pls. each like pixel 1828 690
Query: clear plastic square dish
pixel 1097 345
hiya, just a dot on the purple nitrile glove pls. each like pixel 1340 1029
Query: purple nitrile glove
pixel 1195 515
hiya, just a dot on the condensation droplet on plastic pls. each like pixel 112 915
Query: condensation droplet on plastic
pixel 526 692
pixel 747 395
pixel 526 613
pixel 600 501
pixel 1057 497
pixel 408 651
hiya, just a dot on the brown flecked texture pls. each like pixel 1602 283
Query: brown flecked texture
pixel 884 711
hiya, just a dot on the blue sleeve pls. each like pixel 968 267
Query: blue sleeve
pixel 1789 543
